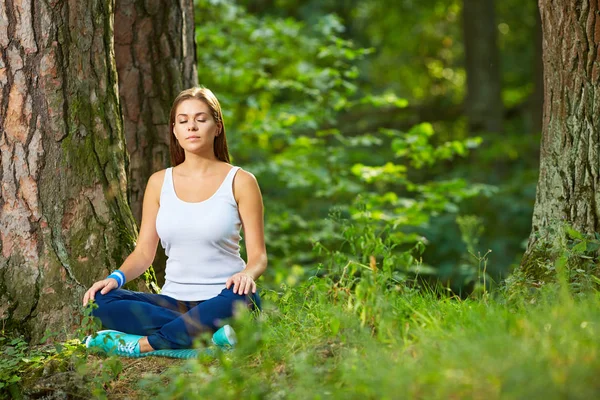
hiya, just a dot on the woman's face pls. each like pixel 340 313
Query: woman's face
pixel 195 127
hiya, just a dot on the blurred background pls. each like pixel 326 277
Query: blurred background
pixel 395 134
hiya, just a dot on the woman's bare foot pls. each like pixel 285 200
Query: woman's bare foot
pixel 144 345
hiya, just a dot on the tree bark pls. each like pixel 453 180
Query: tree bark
pixel 568 186
pixel 156 59
pixel 483 104
pixel 155 53
pixel 65 221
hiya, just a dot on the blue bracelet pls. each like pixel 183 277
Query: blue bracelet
pixel 119 277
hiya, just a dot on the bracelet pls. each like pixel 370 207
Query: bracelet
pixel 119 277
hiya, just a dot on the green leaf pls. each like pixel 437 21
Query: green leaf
pixel 573 233
pixel 592 246
pixel 580 247
pixel 334 325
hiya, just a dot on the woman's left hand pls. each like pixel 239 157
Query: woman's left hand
pixel 242 283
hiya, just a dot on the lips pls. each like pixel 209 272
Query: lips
pixel 192 137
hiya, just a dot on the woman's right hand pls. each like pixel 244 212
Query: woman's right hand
pixel 104 286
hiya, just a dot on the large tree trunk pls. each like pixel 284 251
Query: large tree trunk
pixel 65 221
pixel 483 104
pixel 155 52
pixel 568 188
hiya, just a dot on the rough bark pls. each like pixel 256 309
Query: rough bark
pixel 155 53
pixel 568 186
pixel 64 218
pixel 483 104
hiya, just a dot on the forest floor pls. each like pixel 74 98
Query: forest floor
pixel 323 341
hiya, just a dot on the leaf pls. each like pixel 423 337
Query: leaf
pixel 335 326
pixel 573 233
pixel 592 246
pixel 580 247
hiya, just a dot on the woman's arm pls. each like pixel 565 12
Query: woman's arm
pixel 250 206
pixel 145 249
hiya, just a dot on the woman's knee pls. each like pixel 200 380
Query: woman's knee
pixel 102 299
pixel 252 300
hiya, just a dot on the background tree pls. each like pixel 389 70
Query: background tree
pixel 483 103
pixel 155 55
pixel 65 221
pixel 567 190
pixel 536 100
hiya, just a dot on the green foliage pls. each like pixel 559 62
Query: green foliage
pixel 360 326
pixel 287 85
pixel 306 168
pixel 365 323
pixel 13 360
pixel 560 255
pixel 23 364
pixel 337 336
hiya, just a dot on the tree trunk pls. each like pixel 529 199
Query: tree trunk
pixel 483 104
pixel 568 186
pixel 155 53
pixel 65 221
pixel 156 59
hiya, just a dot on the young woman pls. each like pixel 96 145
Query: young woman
pixel 196 210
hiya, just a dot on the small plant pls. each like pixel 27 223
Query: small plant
pixel 474 264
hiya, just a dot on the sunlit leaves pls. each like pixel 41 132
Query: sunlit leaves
pixel 416 146
pixel 383 100
pixel 386 173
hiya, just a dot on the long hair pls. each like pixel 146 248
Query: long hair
pixel 208 97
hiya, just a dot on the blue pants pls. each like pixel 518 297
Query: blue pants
pixel 168 323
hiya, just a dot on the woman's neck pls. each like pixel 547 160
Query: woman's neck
pixel 198 164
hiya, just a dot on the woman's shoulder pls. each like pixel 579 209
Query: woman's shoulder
pixel 245 184
pixel 157 177
pixel 156 180
pixel 244 177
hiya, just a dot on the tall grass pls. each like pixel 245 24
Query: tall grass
pixel 313 342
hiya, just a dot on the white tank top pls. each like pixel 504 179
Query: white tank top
pixel 201 240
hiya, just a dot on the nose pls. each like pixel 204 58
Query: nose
pixel 192 126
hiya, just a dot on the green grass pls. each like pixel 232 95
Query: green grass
pixel 326 340
pixel 412 345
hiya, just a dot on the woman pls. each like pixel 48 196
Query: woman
pixel 196 209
